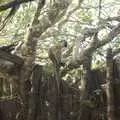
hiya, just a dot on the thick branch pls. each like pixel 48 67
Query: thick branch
pixel 61 22
pixel 12 58
pixel 13 3
pixel 92 47
pixel 116 18
pixel 69 13
pixel 112 34
pixel 116 51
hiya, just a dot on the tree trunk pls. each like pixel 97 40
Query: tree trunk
pixel 85 91
pixel 37 27
pixel 29 53
pixel 34 100
pixel 109 89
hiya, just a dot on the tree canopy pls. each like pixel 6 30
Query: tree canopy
pixel 91 29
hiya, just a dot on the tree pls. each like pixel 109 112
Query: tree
pixel 59 21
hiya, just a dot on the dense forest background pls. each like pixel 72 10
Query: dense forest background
pixel 78 82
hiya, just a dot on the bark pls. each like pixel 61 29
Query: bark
pixel 12 4
pixel 11 58
pixel 1 87
pixel 92 48
pixel 37 27
pixel 34 100
pixel 109 89
pixel 85 90
pixel 9 108
pixel 29 58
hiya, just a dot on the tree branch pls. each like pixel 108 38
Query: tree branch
pixel 13 3
pixel 12 58
pixel 90 49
